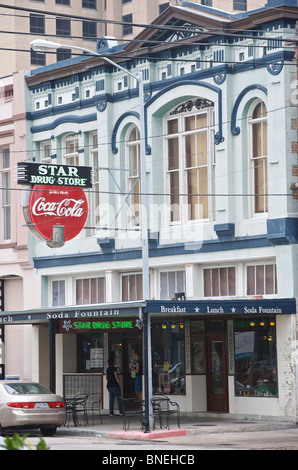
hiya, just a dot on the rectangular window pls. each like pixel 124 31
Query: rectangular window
pixel 45 151
pixel 89 29
pixel 127 28
pixel 37 23
pixel 62 2
pixel 168 372
pixel 37 58
pixel 190 161
pixel 90 291
pixel 63 27
pixel 90 352
pixel 255 358
pixel 70 150
pixel 63 54
pixel 197 341
pixel 261 279
pixel 89 4
pixel 219 282
pixel 5 198
pixel 196 165
pixel 95 197
pixel 58 293
pixel 173 168
pixel 171 283
pixel 132 288
pixel 240 5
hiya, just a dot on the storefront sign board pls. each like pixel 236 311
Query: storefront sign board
pixel 54 175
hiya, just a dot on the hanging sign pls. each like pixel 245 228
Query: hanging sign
pixel 54 175
pixel 54 206
pixel 57 208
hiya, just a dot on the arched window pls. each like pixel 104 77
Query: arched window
pixel 133 174
pixel 189 135
pixel 258 157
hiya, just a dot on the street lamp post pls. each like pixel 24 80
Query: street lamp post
pixel 43 45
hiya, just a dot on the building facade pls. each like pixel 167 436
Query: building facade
pixel 222 214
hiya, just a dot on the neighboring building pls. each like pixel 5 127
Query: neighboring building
pixel 80 23
pixel 222 215
pixel 126 14
pixel 19 284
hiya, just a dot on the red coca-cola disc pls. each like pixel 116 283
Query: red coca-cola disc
pixel 55 205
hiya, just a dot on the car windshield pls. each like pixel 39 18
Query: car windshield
pixel 25 389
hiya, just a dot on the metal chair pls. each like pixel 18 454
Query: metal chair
pixel 80 406
pixel 132 407
pixel 93 405
pixel 163 407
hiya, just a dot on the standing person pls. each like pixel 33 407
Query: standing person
pixel 113 386
pixel 138 371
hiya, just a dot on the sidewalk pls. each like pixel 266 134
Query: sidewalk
pixel 112 427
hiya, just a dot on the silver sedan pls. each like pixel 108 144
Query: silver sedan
pixel 30 405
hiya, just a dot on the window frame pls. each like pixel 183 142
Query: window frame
pixel 138 278
pixel 5 195
pixel 60 302
pixel 95 195
pixel 91 296
pixel 133 181
pixel 256 289
pixel 71 158
pixel 37 23
pixel 185 211
pixel 168 282
pixel 61 29
pixel 213 289
pixel 253 170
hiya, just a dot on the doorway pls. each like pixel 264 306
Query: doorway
pixel 130 345
pixel 217 378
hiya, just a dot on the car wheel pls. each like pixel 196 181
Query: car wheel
pixel 48 431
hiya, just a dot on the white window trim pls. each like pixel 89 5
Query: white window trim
pixel 251 203
pixel 182 171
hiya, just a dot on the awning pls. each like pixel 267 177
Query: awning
pixel 243 307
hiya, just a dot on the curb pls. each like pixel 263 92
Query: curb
pixel 144 436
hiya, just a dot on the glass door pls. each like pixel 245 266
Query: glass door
pixel 130 345
pixel 217 392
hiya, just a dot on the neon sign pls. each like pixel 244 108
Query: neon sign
pixel 102 325
pixel 78 326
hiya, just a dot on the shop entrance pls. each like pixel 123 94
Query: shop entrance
pixel 217 378
pixel 130 345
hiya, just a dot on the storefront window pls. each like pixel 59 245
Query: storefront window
pixel 197 331
pixel 255 358
pixel 90 352
pixel 168 345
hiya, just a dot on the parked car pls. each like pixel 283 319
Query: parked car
pixel 29 405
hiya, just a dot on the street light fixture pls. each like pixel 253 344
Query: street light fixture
pixel 43 45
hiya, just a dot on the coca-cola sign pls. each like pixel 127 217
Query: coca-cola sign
pixel 54 205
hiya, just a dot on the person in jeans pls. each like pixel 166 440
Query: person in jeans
pixel 113 386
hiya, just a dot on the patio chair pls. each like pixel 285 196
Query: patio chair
pixel 132 407
pixel 163 407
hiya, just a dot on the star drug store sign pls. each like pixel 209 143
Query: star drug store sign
pixel 57 199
